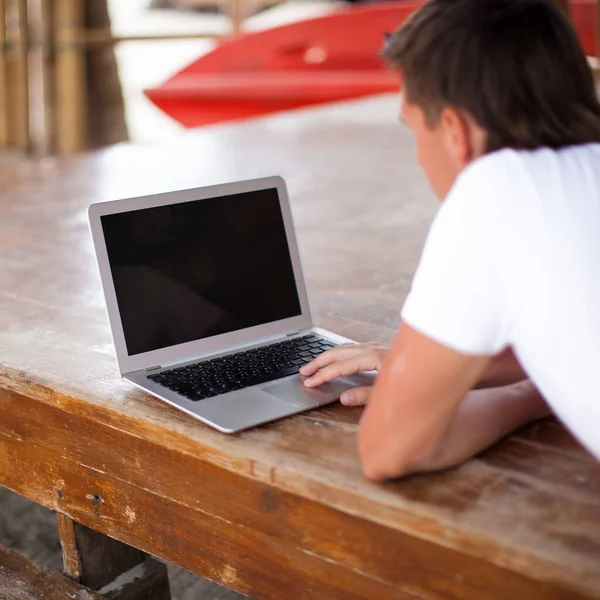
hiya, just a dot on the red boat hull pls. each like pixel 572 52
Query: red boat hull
pixel 306 63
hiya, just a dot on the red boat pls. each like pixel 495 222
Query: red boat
pixel 329 58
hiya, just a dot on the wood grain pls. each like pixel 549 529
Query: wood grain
pixel 284 506
pixel 72 566
pixel 194 517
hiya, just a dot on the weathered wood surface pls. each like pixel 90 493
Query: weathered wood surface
pixel 20 579
pixel 282 507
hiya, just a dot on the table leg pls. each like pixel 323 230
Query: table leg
pixel 112 568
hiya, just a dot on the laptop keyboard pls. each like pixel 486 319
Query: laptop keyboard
pixel 244 369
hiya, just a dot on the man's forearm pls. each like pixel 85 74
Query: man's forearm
pixel 484 417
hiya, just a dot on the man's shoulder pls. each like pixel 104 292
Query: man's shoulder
pixel 488 183
pixel 510 175
pixel 500 169
pixel 510 165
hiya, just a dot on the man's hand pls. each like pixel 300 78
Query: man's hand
pixel 346 359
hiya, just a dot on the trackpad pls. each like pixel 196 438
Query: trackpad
pixel 294 391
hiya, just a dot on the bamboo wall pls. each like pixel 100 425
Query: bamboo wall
pixel 58 95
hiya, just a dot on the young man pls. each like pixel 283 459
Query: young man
pixel 507 127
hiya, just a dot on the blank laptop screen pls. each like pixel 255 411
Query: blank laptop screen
pixel 192 270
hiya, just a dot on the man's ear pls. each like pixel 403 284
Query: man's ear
pixel 465 139
pixel 458 136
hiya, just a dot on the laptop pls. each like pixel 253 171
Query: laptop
pixel 207 302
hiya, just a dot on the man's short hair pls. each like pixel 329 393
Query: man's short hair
pixel 516 66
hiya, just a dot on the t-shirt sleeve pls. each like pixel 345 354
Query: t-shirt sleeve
pixel 458 296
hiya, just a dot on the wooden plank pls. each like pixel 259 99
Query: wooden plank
pixel 193 510
pixel 229 552
pixel 20 579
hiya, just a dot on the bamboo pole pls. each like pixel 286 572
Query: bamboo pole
pixel 70 77
pixel 48 75
pixel 104 37
pixel 3 79
pixel 17 74
pixel 39 119
pixel 24 142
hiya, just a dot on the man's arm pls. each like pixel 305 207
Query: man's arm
pixel 421 417
pixel 485 416
pixel 421 414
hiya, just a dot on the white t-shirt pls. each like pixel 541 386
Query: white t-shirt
pixel 513 259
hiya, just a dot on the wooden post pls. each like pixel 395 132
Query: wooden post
pixel 70 77
pixel 115 570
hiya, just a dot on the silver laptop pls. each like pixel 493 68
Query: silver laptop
pixel 207 303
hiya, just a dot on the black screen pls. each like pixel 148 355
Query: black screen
pixel 197 269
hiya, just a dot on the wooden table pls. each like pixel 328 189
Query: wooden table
pixel 280 511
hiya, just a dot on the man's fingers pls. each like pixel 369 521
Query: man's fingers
pixel 367 360
pixel 357 396
pixel 338 353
